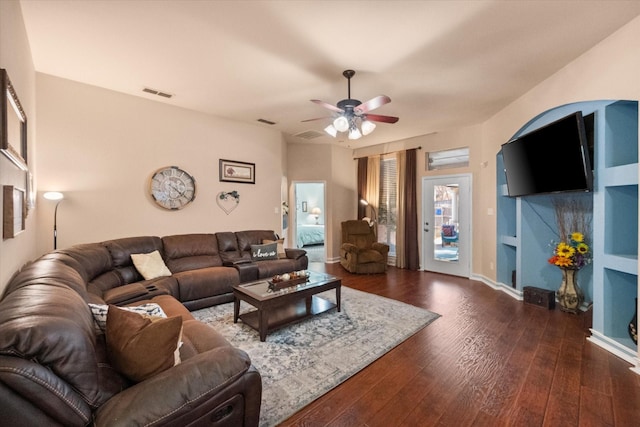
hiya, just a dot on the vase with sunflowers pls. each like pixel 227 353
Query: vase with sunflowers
pixel 572 252
pixel 571 256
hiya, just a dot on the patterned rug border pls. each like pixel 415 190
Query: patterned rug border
pixel 301 362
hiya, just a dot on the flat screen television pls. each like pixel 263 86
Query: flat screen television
pixel 554 158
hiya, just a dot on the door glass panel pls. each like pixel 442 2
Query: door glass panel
pixel 445 237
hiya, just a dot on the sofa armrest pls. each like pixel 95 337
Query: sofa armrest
pixel 124 293
pixel 190 393
pixel 35 390
pixel 295 253
pixel 383 248
pixel 236 262
pixel 350 248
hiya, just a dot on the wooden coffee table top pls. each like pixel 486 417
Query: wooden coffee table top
pixel 263 290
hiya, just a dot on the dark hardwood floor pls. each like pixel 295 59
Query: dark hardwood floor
pixel 490 360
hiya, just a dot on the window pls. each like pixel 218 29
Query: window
pixel 387 203
pixel 446 159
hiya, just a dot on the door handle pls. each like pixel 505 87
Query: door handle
pixel 426 229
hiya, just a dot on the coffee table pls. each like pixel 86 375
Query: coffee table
pixel 281 305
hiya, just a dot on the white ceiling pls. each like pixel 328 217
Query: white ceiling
pixel 444 64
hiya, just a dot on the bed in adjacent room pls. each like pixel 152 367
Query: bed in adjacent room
pixel 310 234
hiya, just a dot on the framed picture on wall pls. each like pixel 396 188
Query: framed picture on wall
pixel 235 171
pixel 13 123
pixel 14 211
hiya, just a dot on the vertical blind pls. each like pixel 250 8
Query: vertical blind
pixel 388 191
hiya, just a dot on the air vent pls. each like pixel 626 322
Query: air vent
pixel 157 92
pixel 267 122
pixel 309 134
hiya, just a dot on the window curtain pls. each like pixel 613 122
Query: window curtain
pixel 362 186
pixel 407 255
pixel 372 193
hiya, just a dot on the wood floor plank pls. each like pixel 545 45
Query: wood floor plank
pixel 490 360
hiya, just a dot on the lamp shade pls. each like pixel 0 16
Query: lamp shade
pixel 354 133
pixel 316 211
pixel 367 127
pixel 53 195
pixel 341 124
pixel 331 130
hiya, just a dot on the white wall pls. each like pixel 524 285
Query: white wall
pixel 334 165
pixel 101 147
pixel 15 57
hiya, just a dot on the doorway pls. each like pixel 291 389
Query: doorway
pixel 446 237
pixel 308 228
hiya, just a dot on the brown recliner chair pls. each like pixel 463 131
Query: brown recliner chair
pixel 360 252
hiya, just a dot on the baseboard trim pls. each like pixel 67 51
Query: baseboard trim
pixel 499 286
pixel 616 348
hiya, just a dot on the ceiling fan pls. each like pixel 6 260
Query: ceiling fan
pixel 351 112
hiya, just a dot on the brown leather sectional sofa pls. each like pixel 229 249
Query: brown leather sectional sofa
pixel 54 368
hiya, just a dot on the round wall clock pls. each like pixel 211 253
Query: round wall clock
pixel 172 188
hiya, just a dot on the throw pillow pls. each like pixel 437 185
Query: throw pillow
pixel 280 250
pixel 150 265
pixel 140 348
pixel 100 311
pixel 264 252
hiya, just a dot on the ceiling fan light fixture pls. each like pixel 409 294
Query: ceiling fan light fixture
pixel 367 127
pixel 331 130
pixel 341 124
pixel 354 133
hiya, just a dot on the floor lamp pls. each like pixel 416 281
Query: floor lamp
pixel 57 197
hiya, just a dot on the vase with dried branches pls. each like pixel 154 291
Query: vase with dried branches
pixel 573 217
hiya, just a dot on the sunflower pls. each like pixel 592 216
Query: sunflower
pixel 577 237
pixel 565 251
pixel 582 248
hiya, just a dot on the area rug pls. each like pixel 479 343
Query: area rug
pixel 301 362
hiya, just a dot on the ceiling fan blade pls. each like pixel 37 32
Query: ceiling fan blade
pixel 372 104
pixel 383 119
pixel 327 105
pixel 317 118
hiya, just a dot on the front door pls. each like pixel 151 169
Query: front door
pixel 446 224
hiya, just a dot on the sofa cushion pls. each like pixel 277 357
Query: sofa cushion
pixel 370 255
pixel 140 347
pixel 252 237
pixel 264 252
pixel 280 242
pixel 100 311
pixel 279 266
pixel 191 252
pixel 121 250
pixel 151 265
pixel 92 260
pixel 199 337
pixel 206 282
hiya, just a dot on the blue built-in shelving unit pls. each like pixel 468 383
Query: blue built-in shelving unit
pixel 526 226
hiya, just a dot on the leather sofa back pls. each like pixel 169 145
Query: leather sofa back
pixel 191 252
pixel 121 250
pixel 252 237
pixel 46 322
